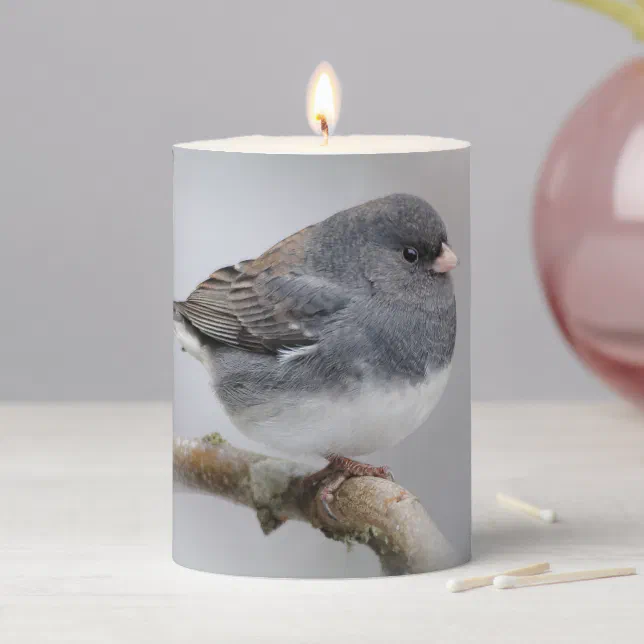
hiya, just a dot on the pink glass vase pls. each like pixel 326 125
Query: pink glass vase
pixel 589 230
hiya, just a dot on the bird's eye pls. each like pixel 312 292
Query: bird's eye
pixel 410 254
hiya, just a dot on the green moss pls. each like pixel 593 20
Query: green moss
pixel 215 439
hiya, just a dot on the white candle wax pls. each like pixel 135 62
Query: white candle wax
pixel 338 145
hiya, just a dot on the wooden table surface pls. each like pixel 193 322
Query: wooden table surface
pixel 85 518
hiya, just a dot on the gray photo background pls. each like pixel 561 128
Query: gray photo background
pixel 94 94
pixel 433 463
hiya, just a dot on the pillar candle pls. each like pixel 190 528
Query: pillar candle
pixel 334 345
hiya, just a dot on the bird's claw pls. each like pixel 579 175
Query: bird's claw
pixel 325 498
pixel 336 473
pixel 385 473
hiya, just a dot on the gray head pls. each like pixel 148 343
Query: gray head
pixel 398 244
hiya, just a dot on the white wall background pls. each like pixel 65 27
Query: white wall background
pixel 93 94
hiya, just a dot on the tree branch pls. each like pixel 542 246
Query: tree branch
pixel 371 511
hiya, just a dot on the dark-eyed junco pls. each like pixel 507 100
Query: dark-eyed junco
pixel 338 340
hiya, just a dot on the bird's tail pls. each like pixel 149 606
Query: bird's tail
pixel 179 310
pixel 190 339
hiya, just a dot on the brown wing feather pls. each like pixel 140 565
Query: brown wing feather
pixel 266 303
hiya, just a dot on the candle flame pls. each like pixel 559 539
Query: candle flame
pixel 323 100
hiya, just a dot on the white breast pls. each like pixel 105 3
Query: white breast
pixel 372 418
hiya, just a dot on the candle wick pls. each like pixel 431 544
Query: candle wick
pixel 324 127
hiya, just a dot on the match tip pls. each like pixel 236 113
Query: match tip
pixel 549 516
pixel 454 586
pixel 503 581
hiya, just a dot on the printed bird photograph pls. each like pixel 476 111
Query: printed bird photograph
pixel 337 341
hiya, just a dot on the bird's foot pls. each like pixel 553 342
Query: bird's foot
pixel 356 468
pixel 337 472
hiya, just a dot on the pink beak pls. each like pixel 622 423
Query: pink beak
pixel 446 261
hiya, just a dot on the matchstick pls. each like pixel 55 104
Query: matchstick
pixel 459 585
pixel 505 581
pixel 549 516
